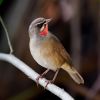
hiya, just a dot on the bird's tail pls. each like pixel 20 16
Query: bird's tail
pixel 73 73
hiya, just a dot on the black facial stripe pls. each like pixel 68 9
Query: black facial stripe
pixel 40 24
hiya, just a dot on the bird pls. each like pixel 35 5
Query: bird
pixel 47 51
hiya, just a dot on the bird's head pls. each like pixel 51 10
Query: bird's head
pixel 39 26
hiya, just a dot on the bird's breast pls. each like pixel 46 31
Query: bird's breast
pixel 39 55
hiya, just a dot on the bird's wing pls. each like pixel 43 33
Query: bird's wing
pixel 60 49
pixel 57 48
pixel 67 66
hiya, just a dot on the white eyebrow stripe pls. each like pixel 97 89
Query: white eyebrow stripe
pixel 41 22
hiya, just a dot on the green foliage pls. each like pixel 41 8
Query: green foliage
pixel 1 1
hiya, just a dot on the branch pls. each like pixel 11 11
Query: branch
pixel 33 75
pixel 6 31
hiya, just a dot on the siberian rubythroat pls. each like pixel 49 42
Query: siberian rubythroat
pixel 47 51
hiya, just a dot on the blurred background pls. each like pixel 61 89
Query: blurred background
pixel 76 23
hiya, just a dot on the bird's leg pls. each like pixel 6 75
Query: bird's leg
pixel 51 81
pixel 41 75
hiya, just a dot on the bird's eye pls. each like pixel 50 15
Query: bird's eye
pixel 40 24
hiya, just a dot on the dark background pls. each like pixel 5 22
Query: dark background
pixel 76 23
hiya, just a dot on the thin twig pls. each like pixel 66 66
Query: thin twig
pixel 8 39
pixel 33 75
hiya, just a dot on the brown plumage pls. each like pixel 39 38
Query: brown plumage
pixel 48 51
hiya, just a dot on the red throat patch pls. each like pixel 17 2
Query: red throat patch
pixel 44 32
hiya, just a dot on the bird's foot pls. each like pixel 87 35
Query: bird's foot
pixel 37 79
pixel 49 82
pixel 41 76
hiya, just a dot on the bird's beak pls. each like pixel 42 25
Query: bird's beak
pixel 48 20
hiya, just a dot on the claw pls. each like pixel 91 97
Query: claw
pixel 49 82
pixel 37 79
pixel 41 76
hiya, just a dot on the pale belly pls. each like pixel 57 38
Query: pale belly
pixel 38 57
